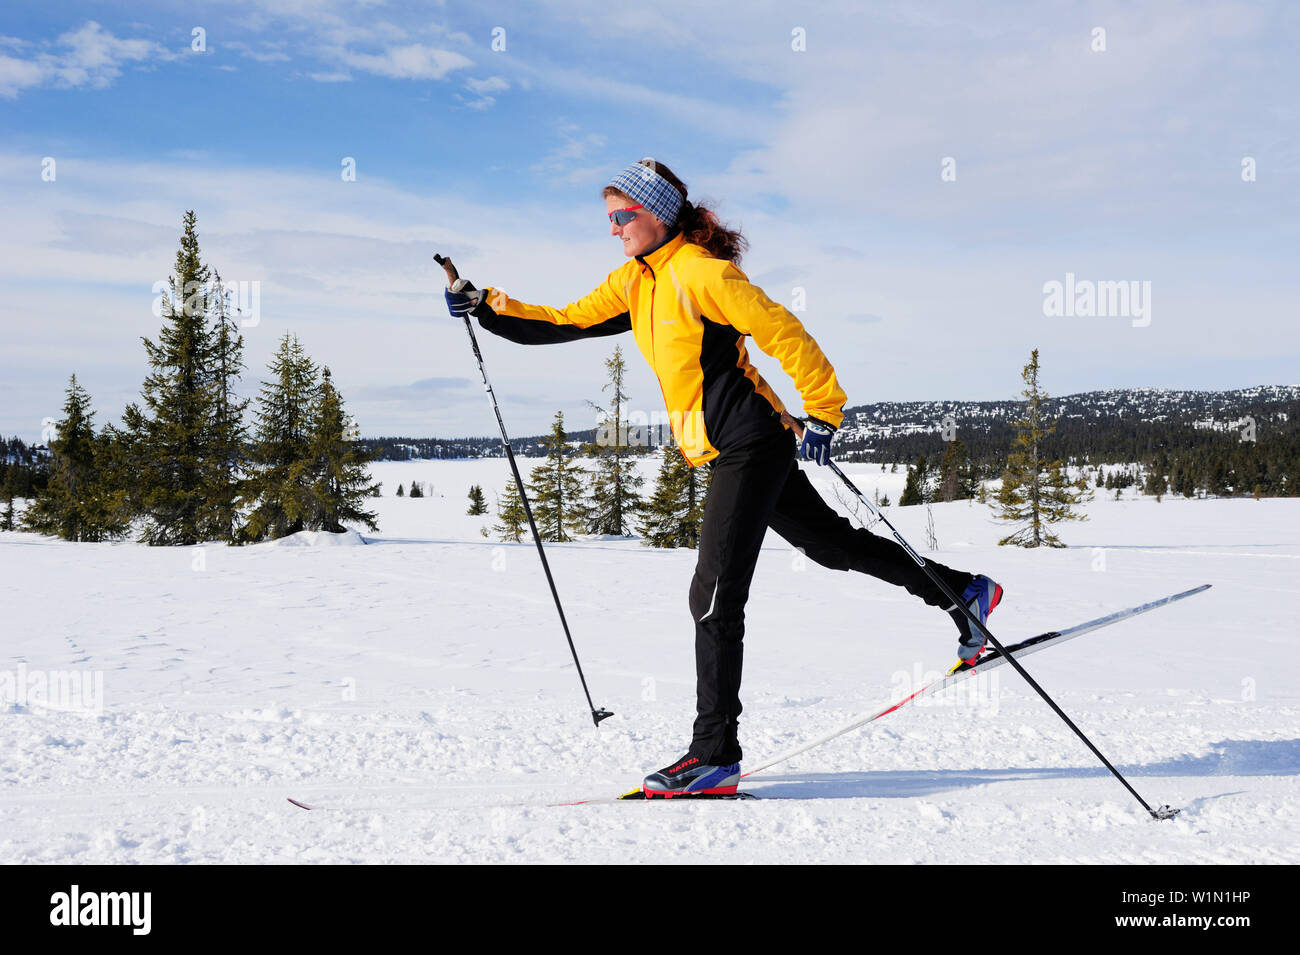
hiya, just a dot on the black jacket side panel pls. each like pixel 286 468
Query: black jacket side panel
pixel 734 413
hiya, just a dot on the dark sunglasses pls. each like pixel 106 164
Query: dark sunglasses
pixel 623 216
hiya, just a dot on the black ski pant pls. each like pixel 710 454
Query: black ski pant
pixel 755 486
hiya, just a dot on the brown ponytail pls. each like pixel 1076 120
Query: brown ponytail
pixel 698 223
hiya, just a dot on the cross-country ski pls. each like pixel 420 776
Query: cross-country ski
pixel 966 669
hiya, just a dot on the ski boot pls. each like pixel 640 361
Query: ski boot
pixel 689 776
pixel 981 596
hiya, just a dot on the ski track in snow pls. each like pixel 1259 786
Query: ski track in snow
pixel 420 690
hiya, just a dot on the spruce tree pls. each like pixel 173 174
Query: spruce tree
pixel 1154 483
pixel 278 491
pixel 416 489
pixel 339 479
pixel 556 488
pixel 615 497
pixel 7 521
pixel 400 492
pixel 229 433
pixel 956 474
pixel 1035 492
pixel 75 505
pixel 673 515
pixel 511 518
pixel 912 489
pixel 172 463
pixel 477 505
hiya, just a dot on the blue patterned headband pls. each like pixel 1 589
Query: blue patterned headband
pixel 644 185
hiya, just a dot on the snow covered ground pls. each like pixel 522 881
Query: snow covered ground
pixel 159 705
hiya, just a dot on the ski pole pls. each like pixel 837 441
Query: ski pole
pixel 1164 812
pixel 458 284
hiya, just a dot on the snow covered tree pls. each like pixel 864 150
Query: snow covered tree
pixel 278 491
pixel 556 488
pixel 75 505
pixel 416 489
pixel 177 482
pixel 400 492
pixel 477 505
pixel 615 497
pixel 1035 492
pixel 673 515
pixel 339 478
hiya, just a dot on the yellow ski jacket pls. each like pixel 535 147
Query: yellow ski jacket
pixel 690 314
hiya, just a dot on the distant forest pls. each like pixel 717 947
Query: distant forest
pixel 1214 442
pixel 1233 442
pixel 1203 443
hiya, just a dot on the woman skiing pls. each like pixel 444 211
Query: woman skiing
pixel 690 308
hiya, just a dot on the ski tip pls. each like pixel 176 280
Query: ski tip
pixel 300 805
pixel 637 793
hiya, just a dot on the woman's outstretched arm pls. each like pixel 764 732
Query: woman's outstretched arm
pixel 602 312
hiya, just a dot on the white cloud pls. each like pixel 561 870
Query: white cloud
pixel 483 90
pixel 266 52
pixel 1032 117
pixel 90 57
pixel 493 84
pixel 17 75
pixel 413 61
pixel 579 158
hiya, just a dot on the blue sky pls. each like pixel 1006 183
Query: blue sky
pixel 1112 156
